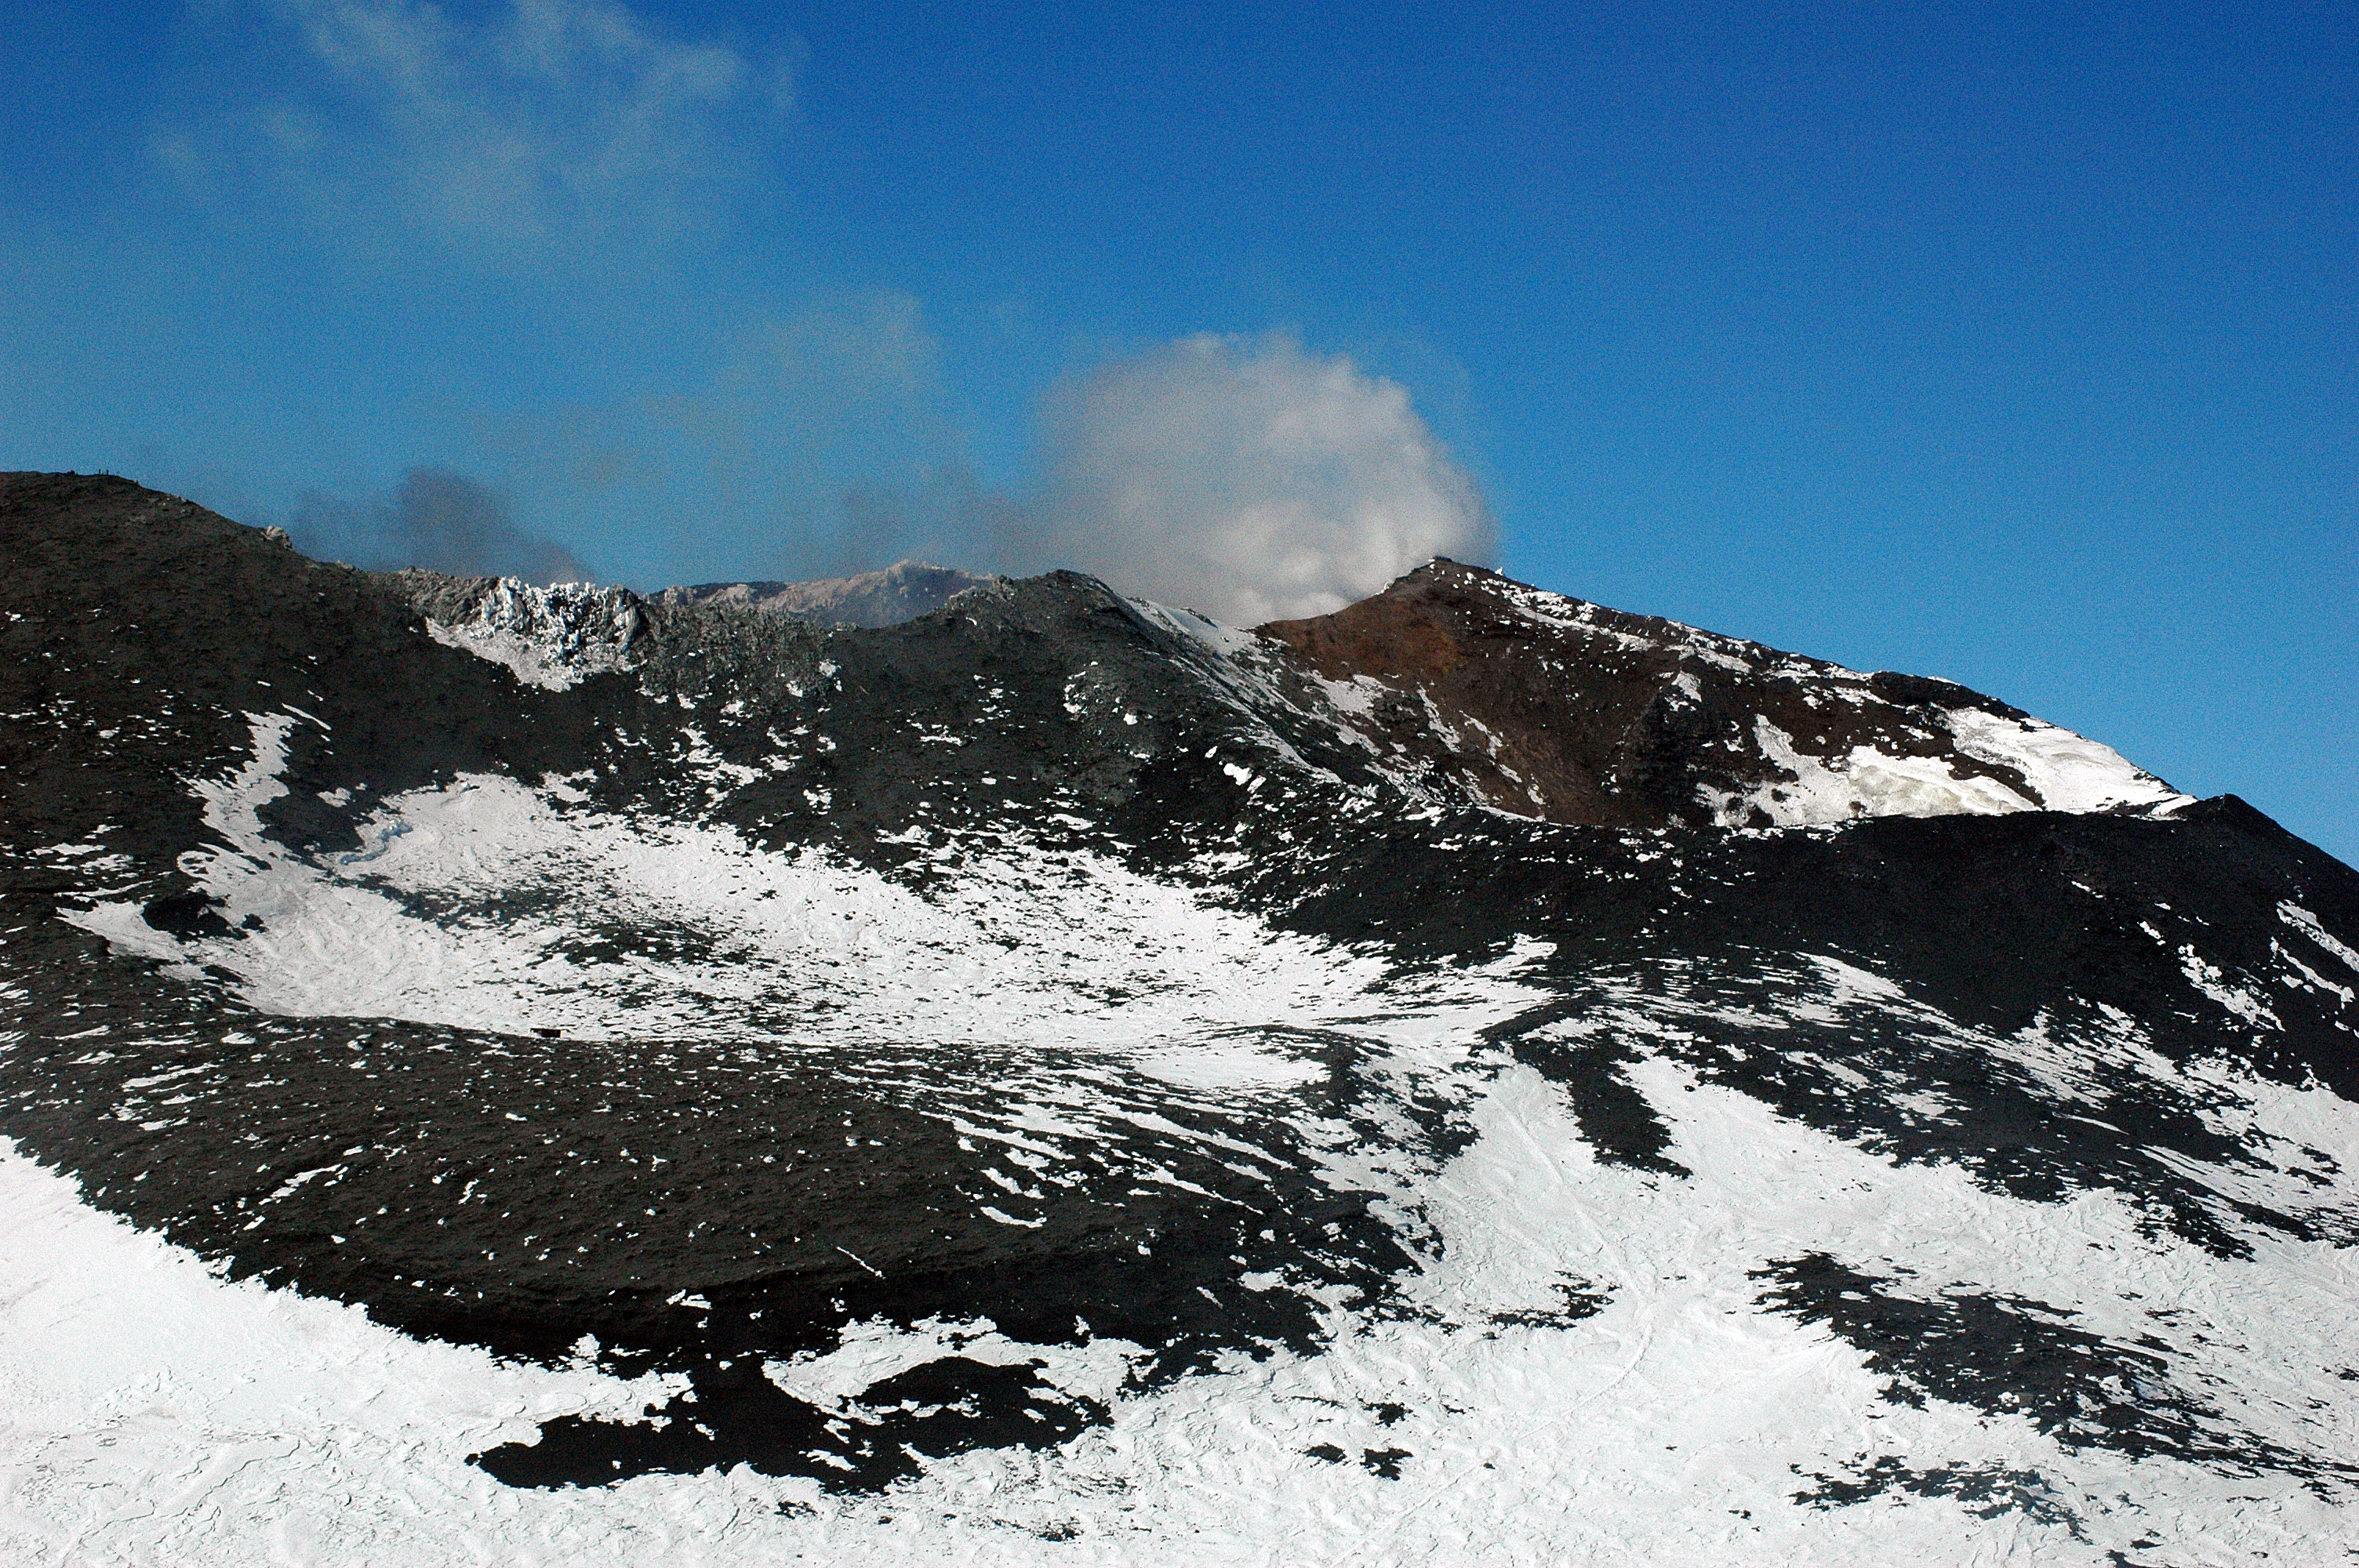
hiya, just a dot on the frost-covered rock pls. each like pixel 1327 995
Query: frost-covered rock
pixel 547 636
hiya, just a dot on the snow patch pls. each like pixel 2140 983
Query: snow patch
pixel 2068 771
pixel 2306 922
pixel 1865 782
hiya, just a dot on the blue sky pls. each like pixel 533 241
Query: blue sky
pixel 2017 345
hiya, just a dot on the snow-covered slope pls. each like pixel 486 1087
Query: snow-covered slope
pixel 503 1074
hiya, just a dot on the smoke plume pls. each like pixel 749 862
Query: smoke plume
pixel 1252 480
pixel 434 519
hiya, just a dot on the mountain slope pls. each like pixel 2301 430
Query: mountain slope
pixel 1099 1084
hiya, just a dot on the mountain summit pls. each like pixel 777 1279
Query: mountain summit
pixel 1058 1079
pixel 1548 707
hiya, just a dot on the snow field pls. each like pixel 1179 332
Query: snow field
pixel 491 904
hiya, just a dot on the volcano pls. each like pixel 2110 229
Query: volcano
pixel 501 1073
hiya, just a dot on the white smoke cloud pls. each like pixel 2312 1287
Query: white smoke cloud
pixel 1253 480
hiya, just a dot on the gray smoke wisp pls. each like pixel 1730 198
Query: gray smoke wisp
pixel 435 519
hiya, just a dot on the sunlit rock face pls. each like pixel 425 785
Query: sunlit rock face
pixel 494 1070
pixel 1549 707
